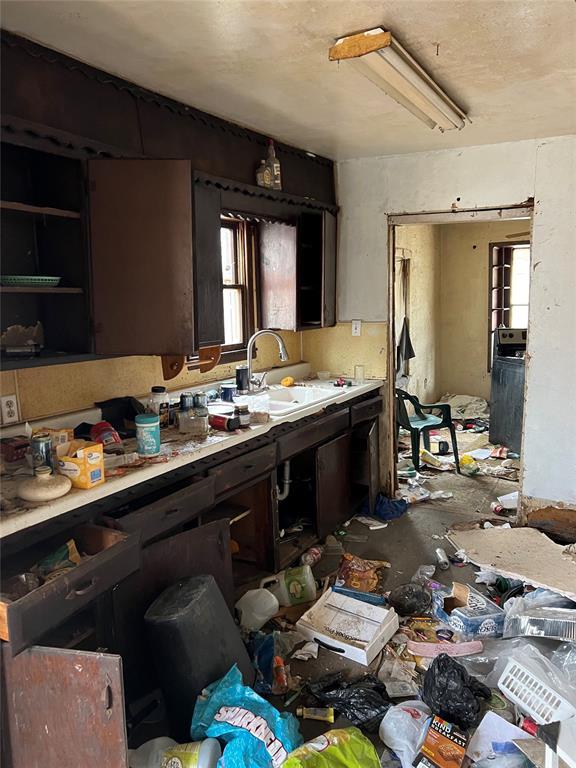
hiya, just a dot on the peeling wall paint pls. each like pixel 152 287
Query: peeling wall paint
pixel 497 175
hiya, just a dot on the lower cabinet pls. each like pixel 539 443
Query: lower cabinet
pixel 71 704
pixel 78 696
pixel 332 484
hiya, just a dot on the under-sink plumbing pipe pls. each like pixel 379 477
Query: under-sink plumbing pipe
pixel 283 494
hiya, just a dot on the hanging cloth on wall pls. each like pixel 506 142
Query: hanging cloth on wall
pixel 404 348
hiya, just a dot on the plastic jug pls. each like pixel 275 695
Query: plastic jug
pixel 150 754
pixel 293 586
pixel 163 751
pixel 256 607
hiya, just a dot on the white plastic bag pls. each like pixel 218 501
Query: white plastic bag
pixel 403 729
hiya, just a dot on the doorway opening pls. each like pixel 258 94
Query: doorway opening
pixel 460 297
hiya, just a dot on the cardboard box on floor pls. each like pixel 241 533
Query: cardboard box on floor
pixel 350 627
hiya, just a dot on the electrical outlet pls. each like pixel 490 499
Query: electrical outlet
pixel 9 405
pixel 356 327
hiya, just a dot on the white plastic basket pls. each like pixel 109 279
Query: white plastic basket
pixel 533 696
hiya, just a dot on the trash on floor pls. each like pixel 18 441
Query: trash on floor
pixel 468 611
pixel 351 627
pixel 452 693
pixel 255 733
pixel 444 743
pixel 492 729
pixel 363 702
pixel 403 729
pixel 362 579
pixel 338 748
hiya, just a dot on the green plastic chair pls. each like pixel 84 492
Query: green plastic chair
pixel 421 423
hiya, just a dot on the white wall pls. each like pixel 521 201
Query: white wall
pixel 487 176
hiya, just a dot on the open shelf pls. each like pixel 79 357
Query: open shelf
pixel 39 210
pixel 292 549
pixel 38 289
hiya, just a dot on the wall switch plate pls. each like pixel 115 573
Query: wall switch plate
pixel 356 327
pixel 9 406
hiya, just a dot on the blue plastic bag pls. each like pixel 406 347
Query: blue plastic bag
pixel 385 509
pixel 256 734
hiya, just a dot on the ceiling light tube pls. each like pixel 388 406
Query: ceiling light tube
pixel 388 65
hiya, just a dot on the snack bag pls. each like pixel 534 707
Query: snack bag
pixel 257 735
pixel 364 579
pixel 339 748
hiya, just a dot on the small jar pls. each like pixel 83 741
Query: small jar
pixel 148 434
pixel 242 413
pixel 159 403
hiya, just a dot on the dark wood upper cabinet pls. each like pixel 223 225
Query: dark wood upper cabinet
pixel 329 250
pixel 298 272
pixel 142 266
pixel 208 265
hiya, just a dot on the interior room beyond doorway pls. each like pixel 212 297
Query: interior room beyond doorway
pixel 455 284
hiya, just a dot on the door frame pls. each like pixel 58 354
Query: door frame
pixel 524 210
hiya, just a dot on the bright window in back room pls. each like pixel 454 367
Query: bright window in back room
pixel 509 288
pixel 520 286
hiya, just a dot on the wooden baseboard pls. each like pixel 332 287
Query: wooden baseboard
pixel 555 518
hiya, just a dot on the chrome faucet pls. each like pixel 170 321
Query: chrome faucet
pixel 258 384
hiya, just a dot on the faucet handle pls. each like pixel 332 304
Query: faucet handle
pixel 260 383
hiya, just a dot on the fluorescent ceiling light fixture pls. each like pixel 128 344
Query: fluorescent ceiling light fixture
pixel 388 65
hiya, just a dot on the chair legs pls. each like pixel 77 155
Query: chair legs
pixel 426 438
pixel 415 440
pixel 455 447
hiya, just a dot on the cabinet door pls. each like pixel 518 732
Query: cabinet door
pixel 365 463
pixel 65 708
pixel 329 247
pixel 208 265
pixel 332 484
pixel 141 233
pixel 203 550
pixel 277 249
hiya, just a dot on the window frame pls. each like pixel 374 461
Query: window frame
pixel 245 246
pixel 504 310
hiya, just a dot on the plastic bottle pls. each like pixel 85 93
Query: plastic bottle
pixel 256 607
pixel 312 556
pixel 293 586
pixel 159 402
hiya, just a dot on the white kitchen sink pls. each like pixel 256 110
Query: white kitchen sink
pixel 289 399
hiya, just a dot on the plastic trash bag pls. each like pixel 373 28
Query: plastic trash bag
pixel 452 693
pixel 403 730
pixel 363 702
pixel 255 733
pixel 338 748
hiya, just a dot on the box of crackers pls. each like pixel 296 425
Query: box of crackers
pixel 443 747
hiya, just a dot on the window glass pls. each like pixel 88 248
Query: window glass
pixel 228 248
pixel 233 327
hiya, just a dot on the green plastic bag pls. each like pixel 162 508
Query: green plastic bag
pixel 340 748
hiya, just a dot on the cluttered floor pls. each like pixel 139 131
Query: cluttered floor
pixel 455 665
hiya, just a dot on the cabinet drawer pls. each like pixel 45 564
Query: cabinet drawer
pixel 238 471
pixel 366 410
pixel 113 556
pixel 312 434
pixel 170 512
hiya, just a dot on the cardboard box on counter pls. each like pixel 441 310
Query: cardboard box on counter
pixel 82 462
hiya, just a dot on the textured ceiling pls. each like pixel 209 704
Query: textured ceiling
pixel 264 63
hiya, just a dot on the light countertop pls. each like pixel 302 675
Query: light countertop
pixel 177 452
